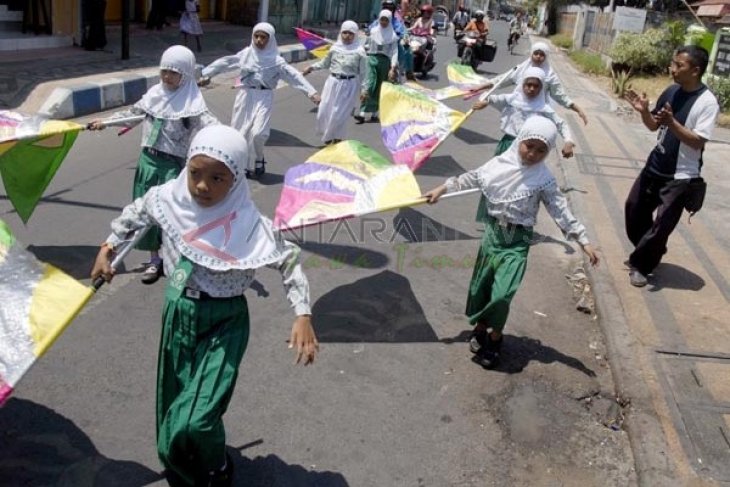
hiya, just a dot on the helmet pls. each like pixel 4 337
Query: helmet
pixel 479 14
pixel 426 8
pixel 388 5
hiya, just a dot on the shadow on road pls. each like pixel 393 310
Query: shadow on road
pixel 334 256
pixel 38 446
pixel 672 276
pixel 441 166
pixel 472 137
pixel 538 238
pixel 283 139
pixel 376 309
pixel 74 260
pixel 519 351
pixel 414 226
pixel 272 470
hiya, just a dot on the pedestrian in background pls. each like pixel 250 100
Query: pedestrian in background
pixel 94 12
pixel 554 90
pixel 174 110
pixel 684 117
pixel 382 48
pixel 518 106
pixel 190 23
pixel 261 67
pixel 346 85
pixel 514 184
pixel 205 319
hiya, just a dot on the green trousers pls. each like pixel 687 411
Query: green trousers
pixel 504 143
pixel 378 67
pixel 153 171
pixel 498 273
pixel 202 345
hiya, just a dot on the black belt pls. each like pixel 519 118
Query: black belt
pixel 202 295
pixel 260 87
pixel 342 76
pixel 164 155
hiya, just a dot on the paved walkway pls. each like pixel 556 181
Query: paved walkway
pixel 27 78
pixel 669 342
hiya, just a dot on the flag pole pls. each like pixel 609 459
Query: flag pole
pixel 414 202
pixel 126 247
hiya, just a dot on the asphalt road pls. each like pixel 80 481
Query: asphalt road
pixel 393 399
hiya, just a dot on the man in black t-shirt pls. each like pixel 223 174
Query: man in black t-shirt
pixel 684 116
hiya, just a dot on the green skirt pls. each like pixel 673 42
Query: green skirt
pixel 504 143
pixel 153 171
pixel 498 272
pixel 202 345
pixel 378 67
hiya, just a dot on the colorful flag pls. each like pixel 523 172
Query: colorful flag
pixel 340 181
pixel 318 46
pixel 413 125
pixel 31 150
pixel 463 77
pixel 439 93
pixel 38 303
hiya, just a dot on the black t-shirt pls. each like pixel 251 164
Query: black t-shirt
pixel 663 159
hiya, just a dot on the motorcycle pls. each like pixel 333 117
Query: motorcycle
pixel 473 49
pixel 423 48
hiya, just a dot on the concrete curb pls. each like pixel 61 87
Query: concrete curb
pixel 121 89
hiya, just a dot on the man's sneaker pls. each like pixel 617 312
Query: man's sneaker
pixel 637 279
pixel 152 272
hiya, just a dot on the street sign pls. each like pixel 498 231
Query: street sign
pixel 720 59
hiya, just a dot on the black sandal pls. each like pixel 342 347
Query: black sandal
pixel 489 355
pixel 260 168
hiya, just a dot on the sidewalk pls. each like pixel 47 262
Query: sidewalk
pixel 669 343
pixel 91 81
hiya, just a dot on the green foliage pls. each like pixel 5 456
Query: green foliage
pixel 720 86
pixel 649 52
pixel 620 81
pixel 562 40
pixel 675 31
pixel 589 62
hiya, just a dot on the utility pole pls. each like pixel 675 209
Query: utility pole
pixel 264 12
pixel 125 29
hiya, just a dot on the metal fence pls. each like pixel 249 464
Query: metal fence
pixel 599 33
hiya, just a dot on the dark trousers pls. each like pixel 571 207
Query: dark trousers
pixel 649 232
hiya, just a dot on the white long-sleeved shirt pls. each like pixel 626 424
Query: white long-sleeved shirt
pixel 219 284
pixel 513 118
pixel 388 50
pixel 268 77
pixel 524 211
pixel 354 63
pixel 553 86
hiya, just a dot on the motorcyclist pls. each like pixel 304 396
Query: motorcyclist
pixel 478 24
pixel 423 27
pixel 515 30
pixel 461 18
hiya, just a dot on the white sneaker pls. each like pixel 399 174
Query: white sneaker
pixel 637 279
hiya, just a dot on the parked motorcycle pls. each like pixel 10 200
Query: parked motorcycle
pixel 423 48
pixel 474 50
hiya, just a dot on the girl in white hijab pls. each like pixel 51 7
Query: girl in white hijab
pixel 553 87
pixel 382 48
pixel 174 111
pixel 260 68
pixel 215 238
pixel 346 85
pixel 518 106
pixel 514 184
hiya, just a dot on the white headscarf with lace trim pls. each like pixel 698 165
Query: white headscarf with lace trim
pixel 186 100
pixel 383 35
pixel 520 101
pixel 506 178
pixel 230 235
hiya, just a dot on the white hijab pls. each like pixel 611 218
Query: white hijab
pixel 186 100
pixel 383 36
pixel 230 235
pixel 550 76
pixel 506 179
pixel 339 46
pixel 254 59
pixel 519 100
